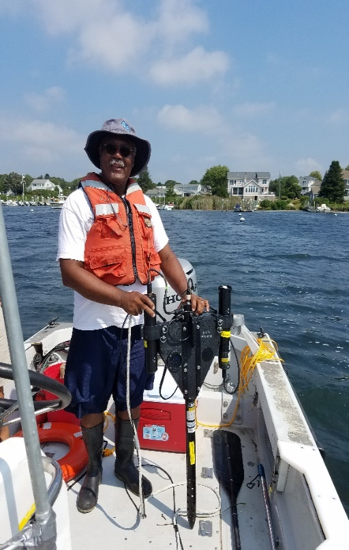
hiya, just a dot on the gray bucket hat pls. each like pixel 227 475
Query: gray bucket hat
pixel 119 127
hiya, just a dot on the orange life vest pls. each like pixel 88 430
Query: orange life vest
pixel 120 243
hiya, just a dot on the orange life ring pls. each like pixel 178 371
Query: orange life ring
pixel 76 459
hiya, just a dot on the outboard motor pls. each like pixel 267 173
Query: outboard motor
pixel 167 300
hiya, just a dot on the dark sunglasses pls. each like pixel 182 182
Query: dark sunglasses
pixel 112 149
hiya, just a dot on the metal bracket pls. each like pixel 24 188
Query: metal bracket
pixel 205 528
pixel 207 472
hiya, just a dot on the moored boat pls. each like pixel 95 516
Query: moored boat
pixel 57 203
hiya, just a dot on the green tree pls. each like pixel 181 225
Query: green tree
pixel 215 179
pixel 193 182
pixel 144 181
pixel 171 183
pixel 316 174
pixel 333 185
pixel 286 186
pixel 13 182
pixel 2 179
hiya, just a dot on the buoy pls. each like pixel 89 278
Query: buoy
pixel 242 219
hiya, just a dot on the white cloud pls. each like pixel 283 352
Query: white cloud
pixel 107 35
pixel 179 19
pixel 196 66
pixel 305 166
pixel 67 17
pixel 201 119
pixel 231 146
pixel 340 116
pixel 41 103
pixel 40 146
pixel 109 46
pixel 254 109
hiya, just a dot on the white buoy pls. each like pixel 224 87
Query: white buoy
pixel 242 219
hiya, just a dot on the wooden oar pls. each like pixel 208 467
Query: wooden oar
pixel 229 469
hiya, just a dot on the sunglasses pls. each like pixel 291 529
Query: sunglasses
pixel 122 149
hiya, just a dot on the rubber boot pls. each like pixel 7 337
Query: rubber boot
pixel 88 495
pixel 125 470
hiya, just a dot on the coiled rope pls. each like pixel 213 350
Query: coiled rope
pixel 267 351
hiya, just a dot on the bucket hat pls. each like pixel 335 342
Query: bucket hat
pixel 118 127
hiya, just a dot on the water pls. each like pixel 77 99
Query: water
pixel 289 274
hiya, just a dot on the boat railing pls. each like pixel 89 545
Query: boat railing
pixel 294 448
pixel 31 531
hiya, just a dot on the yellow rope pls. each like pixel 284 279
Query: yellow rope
pixel 265 352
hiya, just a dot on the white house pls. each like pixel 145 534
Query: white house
pixel 249 185
pixel 306 183
pixel 44 185
pixel 158 193
pixel 189 189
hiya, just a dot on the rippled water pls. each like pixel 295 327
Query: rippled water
pixel 289 274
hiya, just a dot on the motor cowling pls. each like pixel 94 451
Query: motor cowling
pixel 167 300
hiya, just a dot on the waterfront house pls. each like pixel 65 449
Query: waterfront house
pixel 307 183
pixel 158 193
pixel 41 184
pixel 189 189
pixel 249 186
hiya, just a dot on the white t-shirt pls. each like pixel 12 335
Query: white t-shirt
pixel 75 221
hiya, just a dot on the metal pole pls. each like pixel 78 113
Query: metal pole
pixel 21 379
pixel 191 462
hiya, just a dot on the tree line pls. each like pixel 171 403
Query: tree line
pixel 214 180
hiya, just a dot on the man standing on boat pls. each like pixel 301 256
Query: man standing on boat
pixel 111 243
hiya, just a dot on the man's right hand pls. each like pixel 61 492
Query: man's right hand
pixel 135 303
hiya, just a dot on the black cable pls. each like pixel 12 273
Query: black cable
pixel 161 383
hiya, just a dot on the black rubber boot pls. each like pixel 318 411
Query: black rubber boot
pixel 88 495
pixel 125 470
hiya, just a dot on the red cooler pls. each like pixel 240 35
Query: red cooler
pixel 162 424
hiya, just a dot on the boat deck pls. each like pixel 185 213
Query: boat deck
pixel 117 521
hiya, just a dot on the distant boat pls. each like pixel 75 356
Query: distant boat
pixel 323 208
pixel 166 207
pixel 57 203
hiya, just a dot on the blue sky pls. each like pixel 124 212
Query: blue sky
pixel 253 85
